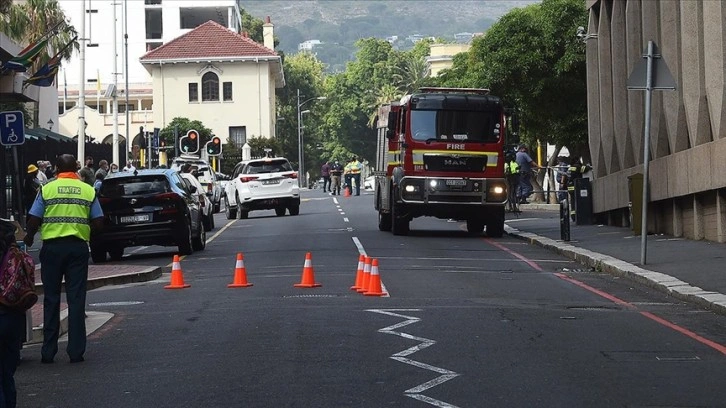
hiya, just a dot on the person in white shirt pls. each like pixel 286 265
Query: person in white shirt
pixel 42 178
pixel 129 167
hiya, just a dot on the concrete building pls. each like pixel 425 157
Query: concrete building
pixel 441 56
pixel 687 171
pixel 308 45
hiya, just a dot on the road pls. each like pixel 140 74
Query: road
pixel 469 322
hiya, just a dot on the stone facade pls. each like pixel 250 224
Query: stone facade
pixel 687 171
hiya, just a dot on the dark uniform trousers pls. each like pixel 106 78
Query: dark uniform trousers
pixel 64 257
pixel 12 329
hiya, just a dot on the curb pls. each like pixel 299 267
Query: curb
pixel 605 263
pixel 145 275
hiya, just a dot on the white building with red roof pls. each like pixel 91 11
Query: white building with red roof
pixel 221 78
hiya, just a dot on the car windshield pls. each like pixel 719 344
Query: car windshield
pixel 133 186
pixel 454 126
pixel 268 166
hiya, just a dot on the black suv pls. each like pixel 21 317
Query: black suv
pixel 147 207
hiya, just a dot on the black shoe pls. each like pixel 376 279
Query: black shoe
pixel 77 359
pixel 46 360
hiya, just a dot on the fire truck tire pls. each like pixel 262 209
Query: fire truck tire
pixel 475 226
pixel 384 221
pixel 495 224
pixel 400 225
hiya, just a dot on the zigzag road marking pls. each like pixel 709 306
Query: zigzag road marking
pixel 416 391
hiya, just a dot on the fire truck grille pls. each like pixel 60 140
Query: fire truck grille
pixel 455 164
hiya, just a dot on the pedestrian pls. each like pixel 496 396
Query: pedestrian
pixel 129 167
pixel 103 168
pixel 526 166
pixel 86 172
pixel 355 169
pixel 42 178
pixel 114 168
pixel 325 173
pixel 97 183
pixel 12 332
pixel 31 185
pixel 65 211
pixel 336 170
pixel 49 171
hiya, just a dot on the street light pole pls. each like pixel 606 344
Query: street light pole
pixel 300 157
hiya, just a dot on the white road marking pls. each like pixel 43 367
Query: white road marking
pixel 345 219
pixel 416 391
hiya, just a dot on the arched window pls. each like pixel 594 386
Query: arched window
pixel 210 87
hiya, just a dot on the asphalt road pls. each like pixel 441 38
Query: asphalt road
pixel 470 322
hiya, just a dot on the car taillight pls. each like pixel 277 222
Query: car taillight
pixel 167 196
pixel 170 205
pixel 292 175
pixel 245 179
pixel 209 187
pixel 104 200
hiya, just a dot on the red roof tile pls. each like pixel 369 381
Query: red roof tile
pixel 209 40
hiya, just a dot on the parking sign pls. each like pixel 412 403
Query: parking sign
pixel 12 128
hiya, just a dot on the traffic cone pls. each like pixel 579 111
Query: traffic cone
pixel 177 278
pixel 366 275
pixel 308 275
pixel 347 192
pixel 240 273
pixel 359 273
pixel 375 288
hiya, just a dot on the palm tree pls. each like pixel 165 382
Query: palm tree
pixel 383 95
pixel 412 74
pixel 29 21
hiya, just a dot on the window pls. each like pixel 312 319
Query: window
pixel 154 24
pixel 210 87
pixel 238 135
pixel 152 45
pixel 227 91
pixel 193 92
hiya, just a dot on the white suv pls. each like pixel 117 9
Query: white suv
pixel 262 184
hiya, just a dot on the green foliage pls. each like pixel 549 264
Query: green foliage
pixel 183 125
pixel 18 106
pixel 253 26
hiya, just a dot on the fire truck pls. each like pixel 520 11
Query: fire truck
pixel 440 153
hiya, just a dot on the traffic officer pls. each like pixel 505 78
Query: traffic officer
pixel 65 211
pixel 352 171
pixel 511 172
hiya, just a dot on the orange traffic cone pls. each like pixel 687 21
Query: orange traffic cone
pixel 359 273
pixel 347 192
pixel 240 274
pixel 177 279
pixel 308 275
pixel 375 288
pixel 366 275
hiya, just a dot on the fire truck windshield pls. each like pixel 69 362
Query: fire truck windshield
pixel 455 125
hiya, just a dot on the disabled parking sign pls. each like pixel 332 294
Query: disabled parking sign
pixel 12 128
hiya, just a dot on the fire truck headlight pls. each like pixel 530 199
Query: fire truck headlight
pixel 498 190
pixel 410 188
pixel 433 183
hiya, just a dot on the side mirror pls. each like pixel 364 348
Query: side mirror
pixel 192 189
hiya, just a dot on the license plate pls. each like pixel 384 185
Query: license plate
pixel 270 181
pixel 456 183
pixel 135 218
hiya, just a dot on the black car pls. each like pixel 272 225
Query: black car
pixel 147 207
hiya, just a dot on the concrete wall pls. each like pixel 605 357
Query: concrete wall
pixel 687 170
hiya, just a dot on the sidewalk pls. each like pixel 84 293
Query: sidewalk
pixel 98 276
pixel 688 270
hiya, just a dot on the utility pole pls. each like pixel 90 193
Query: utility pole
pixel 126 75
pixel 82 89
pixel 115 88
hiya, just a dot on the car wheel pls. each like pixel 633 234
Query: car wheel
pixel 98 254
pixel 211 222
pixel 294 209
pixel 280 211
pixel 185 247
pixel 217 206
pixel 230 212
pixel 200 242
pixel 207 221
pixel 243 214
pixel 116 253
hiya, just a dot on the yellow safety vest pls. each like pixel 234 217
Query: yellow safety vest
pixel 355 167
pixel 67 213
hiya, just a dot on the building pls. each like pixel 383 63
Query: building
pixel 149 23
pixel 221 78
pixel 687 167
pixel 441 56
pixel 308 45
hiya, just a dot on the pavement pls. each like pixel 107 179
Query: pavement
pixel 692 271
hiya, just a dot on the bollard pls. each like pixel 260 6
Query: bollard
pixel 565 220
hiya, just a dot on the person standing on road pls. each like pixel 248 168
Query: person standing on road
pixel 31 185
pixel 354 171
pixel 87 174
pixel 12 332
pixel 102 169
pixel 325 174
pixel 526 165
pixel 65 211
pixel 129 167
pixel 336 170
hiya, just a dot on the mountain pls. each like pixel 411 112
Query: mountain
pixel 337 24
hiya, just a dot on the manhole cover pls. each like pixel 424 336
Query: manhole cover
pixel 128 303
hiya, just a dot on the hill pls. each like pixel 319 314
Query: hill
pixel 337 24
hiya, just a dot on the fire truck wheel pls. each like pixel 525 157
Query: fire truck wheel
pixel 384 221
pixel 495 226
pixel 475 226
pixel 400 224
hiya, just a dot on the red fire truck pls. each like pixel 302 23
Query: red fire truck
pixel 441 154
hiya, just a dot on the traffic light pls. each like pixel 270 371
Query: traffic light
pixel 214 146
pixel 190 143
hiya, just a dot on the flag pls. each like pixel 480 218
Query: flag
pixel 45 75
pixel 26 57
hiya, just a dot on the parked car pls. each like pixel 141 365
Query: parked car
pixel 206 175
pixel 205 201
pixel 147 207
pixel 262 184
pixel 369 183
